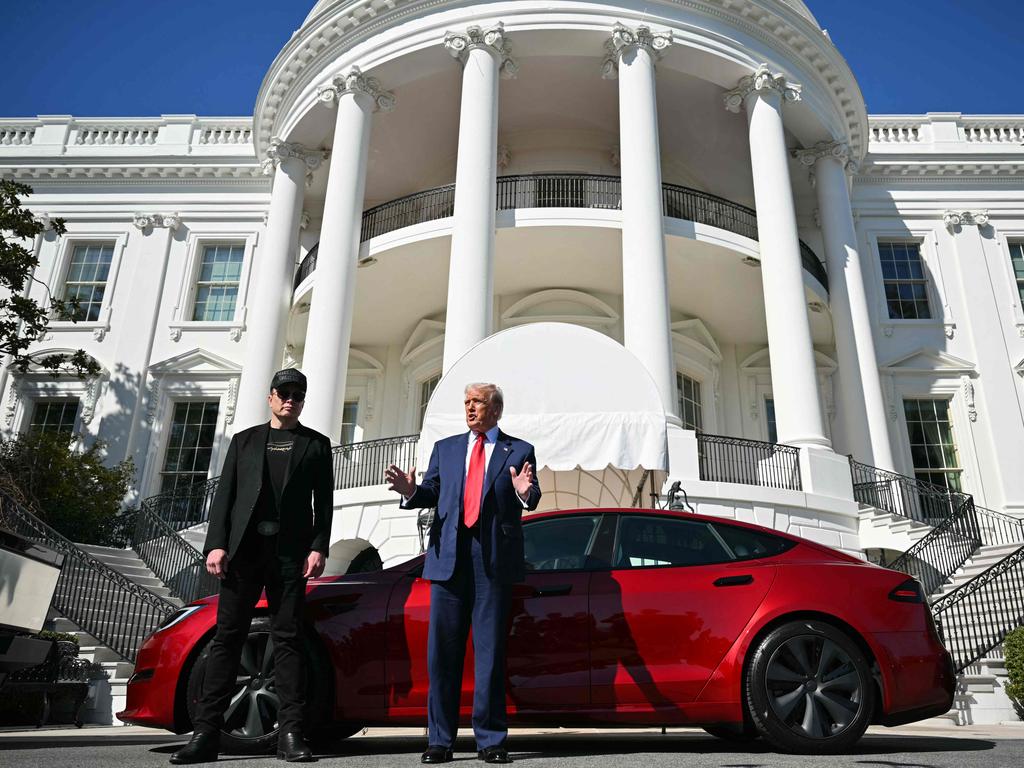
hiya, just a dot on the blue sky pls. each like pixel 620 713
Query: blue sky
pixel 208 57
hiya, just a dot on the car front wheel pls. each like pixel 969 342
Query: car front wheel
pixel 810 689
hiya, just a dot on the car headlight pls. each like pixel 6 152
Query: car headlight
pixel 178 615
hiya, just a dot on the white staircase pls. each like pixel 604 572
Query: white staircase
pixel 883 530
pixel 980 695
pixel 108 697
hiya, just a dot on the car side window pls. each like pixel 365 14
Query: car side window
pixel 750 545
pixel 663 541
pixel 561 544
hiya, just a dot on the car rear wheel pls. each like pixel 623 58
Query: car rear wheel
pixel 251 718
pixel 810 689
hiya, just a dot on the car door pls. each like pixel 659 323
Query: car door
pixel 666 612
pixel 549 633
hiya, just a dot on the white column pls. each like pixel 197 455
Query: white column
pixel 274 271
pixel 861 402
pixel 325 360
pixel 484 55
pixel 645 307
pixel 794 380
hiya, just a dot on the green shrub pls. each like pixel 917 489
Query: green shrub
pixel 66 637
pixel 1013 646
pixel 69 487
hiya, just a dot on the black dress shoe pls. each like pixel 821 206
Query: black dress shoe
pixel 293 748
pixel 201 748
pixel 494 755
pixel 435 754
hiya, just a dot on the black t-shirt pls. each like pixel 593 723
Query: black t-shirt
pixel 279 453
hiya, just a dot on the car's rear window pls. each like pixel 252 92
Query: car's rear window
pixel 748 545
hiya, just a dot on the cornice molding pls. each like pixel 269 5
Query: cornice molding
pixel 354 81
pixel 190 175
pixel 625 38
pixel 939 172
pixel 761 81
pixel 343 27
pixel 492 39
pixel 837 150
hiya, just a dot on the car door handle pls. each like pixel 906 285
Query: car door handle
pixel 553 590
pixel 734 581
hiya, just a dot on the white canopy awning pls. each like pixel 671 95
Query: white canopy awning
pixel 581 398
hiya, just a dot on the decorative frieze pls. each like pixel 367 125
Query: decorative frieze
pixel 763 79
pixel 280 151
pixel 354 81
pixel 955 220
pixel 494 39
pixel 144 221
pixel 835 149
pixel 624 38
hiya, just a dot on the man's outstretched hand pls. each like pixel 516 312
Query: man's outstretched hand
pixel 522 481
pixel 401 482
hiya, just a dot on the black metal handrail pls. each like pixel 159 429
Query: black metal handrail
pixel 999 528
pixel 185 506
pixel 934 559
pixel 564 190
pixel 897 494
pixel 362 464
pixel 100 601
pixel 977 616
pixel 748 462
pixel 179 565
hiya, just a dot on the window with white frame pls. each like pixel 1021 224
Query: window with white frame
pixel 1017 262
pixel 904 279
pixel 932 448
pixel 427 388
pixel 86 278
pixel 220 271
pixel 189 444
pixel 769 420
pixel 691 409
pixel 53 416
pixel 349 413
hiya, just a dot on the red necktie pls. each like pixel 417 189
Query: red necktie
pixel 474 483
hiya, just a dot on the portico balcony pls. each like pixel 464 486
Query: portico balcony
pixel 564 190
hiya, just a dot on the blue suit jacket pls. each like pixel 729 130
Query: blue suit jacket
pixel 501 512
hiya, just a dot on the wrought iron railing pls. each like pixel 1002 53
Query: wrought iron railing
pixel 179 565
pixel 939 555
pixel 897 494
pixel 361 464
pixel 564 190
pixel 100 601
pixel 749 462
pixel 976 617
pixel 185 506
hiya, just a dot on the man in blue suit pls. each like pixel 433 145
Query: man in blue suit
pixel 480 482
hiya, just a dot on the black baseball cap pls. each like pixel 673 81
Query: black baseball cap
pixel 288 376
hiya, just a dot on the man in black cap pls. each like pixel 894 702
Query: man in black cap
pixel 270 527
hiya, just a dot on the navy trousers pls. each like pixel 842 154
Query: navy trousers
pixel 469 597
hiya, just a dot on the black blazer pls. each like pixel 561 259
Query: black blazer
pixel 307 502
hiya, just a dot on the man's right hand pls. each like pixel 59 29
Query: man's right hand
pixel 401 482
pixel 217 563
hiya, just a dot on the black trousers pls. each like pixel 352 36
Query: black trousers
pixel 256 566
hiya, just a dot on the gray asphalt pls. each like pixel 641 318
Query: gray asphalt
pixel 961 748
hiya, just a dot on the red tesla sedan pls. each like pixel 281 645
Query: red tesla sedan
pixel 627 617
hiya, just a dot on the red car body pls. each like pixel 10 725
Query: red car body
pixel 643 645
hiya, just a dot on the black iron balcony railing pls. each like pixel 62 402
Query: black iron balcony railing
pixel 748 462
pixel 564 190
pixel 897 494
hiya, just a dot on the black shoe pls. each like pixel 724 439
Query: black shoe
pixel 293 748
pixel 494 755
pixel 435 754
pixel 201 748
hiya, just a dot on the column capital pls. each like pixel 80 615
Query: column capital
pixel 837 150
pixel 280 150
pixel 760 81
pixel 624 38
pixel 955 220
pixel 144 221
pixel 354 81
pixel 492 39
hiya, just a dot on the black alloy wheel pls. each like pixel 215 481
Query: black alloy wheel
pixel 810 689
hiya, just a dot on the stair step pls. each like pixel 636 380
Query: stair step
pixel 100 653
